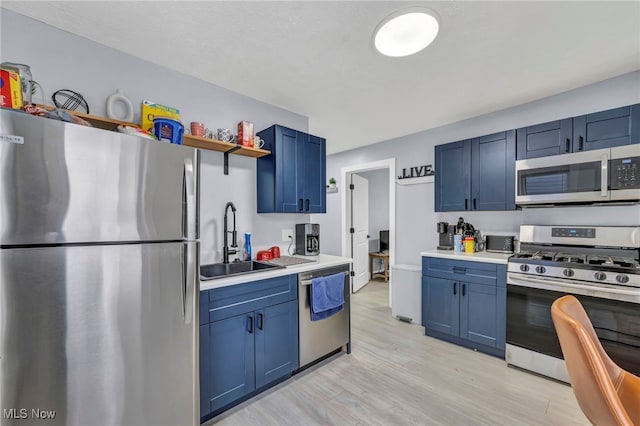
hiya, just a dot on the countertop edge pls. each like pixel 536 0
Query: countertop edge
pixel 321 261
pixel 482 256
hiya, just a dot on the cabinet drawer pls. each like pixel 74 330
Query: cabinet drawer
pixel 236 299
pixel 478 272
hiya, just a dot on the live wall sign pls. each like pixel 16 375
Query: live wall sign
pixel 417 171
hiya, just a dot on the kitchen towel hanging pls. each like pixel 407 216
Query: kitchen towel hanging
pixel 327 296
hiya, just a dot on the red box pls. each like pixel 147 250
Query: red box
pixel 245 133
pixel 10 89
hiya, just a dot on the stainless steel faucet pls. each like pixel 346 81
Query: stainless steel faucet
pixel 226 251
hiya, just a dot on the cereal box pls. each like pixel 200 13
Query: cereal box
pixel 10 89
pixel 245 133
pixel 151 110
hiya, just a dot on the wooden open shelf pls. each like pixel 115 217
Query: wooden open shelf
pixel 187 140
pixel 216 145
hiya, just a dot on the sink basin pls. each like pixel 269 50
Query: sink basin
pixel 221 270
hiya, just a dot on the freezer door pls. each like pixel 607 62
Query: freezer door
pixel 99 335
pixel 66 183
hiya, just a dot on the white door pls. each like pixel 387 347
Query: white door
pixel 360 224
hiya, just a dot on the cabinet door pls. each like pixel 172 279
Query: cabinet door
pixel 442 305
pixel 276 342
pixel 545 139
pixel 479 313
pixel 453 176
pixel 493 172
pixel 230 357
pixel 313 172
pixel 614 127
pixel 288 183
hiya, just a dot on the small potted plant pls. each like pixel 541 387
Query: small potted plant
pixel 332 183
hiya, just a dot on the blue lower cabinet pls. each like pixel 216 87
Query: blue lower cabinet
pixel 276 342
pixel 243 351
pixel 442 310
pixel 465 303
pixel 229 361
pixel 478 319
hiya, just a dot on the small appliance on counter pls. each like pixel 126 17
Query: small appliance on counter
pixel 445 232
pixel 308 239
pixel 499 243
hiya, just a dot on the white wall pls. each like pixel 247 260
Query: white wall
pixel 61 60
pixel 415 216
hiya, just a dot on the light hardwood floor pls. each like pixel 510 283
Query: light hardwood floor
pixel 397 376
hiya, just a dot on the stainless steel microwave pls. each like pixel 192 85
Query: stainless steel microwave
pixel 601 175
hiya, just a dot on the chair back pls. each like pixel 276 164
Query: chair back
pixel 594 376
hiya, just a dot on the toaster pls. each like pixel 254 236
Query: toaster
pixel 499 243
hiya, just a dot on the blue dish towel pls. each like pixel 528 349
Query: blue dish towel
pixel 327 296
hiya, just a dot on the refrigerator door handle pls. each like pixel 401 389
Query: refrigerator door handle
pixel 189 207
pixel 188 281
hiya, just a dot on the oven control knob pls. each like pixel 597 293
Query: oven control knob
pixel 540 269
pixel 567 272
pixel 601 276
pixel 622 278
pixel 524 268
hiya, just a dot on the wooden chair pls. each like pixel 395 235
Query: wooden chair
pixel 607 394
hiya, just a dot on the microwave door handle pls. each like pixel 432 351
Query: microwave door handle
pixel 604 175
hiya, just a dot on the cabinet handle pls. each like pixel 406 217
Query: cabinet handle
pixel 300 204
pixel 458 270
pixel 465 204
pixel 250 324
pixel 464 288
pixel 580 143
pixel 260 321
pixel 307 201
pixel 568 147
pixel 455 288
pixel 474 204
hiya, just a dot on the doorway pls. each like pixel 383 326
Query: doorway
pixel 347 237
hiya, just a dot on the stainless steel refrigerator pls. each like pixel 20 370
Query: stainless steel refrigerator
pixel 98 276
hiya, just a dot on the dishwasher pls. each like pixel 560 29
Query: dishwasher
pixel 324 337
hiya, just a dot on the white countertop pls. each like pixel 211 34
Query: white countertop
pixel 480 256
pixel 320 262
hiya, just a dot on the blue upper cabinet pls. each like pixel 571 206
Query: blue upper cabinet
pixel 614 127
pixel 604 129
pixel 476 174
pixel 292 178
pixel 493 171
pixel 541 140
pixel 453 176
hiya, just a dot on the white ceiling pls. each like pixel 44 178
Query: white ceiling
pixel 317 58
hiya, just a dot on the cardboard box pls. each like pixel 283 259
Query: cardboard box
pixel 10 89
pixel 245 133
pixel 151 110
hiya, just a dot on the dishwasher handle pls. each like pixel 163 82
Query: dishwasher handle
pixel 308 282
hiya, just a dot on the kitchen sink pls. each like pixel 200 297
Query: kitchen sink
pixel 221 270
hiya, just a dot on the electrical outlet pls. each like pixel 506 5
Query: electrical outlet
pixel 286 233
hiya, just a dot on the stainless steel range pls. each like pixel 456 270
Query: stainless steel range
pixel 600 266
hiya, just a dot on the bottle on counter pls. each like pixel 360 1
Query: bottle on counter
pixel 247 246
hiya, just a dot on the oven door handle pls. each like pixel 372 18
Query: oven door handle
pixel 575 287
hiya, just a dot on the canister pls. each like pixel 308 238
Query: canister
pixel 469 244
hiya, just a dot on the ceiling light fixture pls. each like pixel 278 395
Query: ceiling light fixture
pixel 405 32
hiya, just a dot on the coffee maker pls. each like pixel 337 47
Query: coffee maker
pixel 446 232
pixel 308 239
